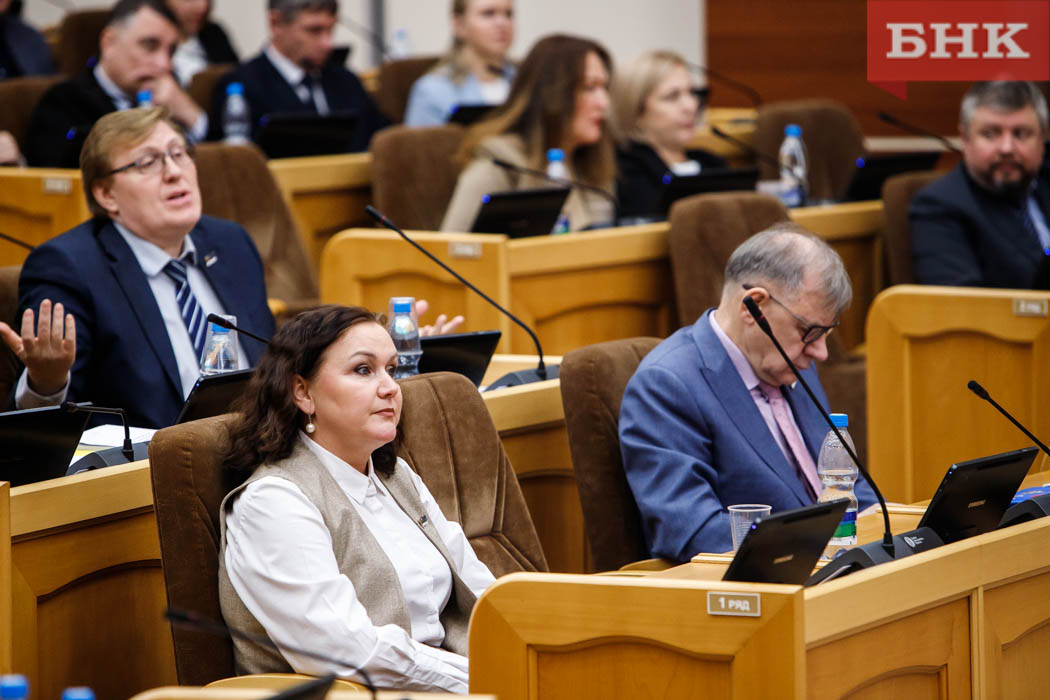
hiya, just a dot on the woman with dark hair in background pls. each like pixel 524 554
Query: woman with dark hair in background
pixel 656 109
pixel 329 541
pixel 204 42
pixel 559 99
pixel 475 71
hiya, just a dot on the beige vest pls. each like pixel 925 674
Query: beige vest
pixel 359 556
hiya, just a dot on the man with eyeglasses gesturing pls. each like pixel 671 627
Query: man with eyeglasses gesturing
pixel 123 298
pixel 713 418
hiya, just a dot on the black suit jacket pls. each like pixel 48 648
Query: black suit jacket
pixel 639 187
pixel 217 46
pixel 963 235
pixel 124 357
pixel 74 104
pixel 268 92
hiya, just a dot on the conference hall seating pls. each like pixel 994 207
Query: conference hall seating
pixel 897 193
pixel 77 41
pixel 395 80
pixel 19 97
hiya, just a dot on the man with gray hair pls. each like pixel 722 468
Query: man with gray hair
pixel 294 73
pixel 987 222
pixel 713 416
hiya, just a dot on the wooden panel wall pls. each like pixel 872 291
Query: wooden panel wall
pixel 814 48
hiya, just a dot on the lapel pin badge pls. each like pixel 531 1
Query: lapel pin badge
pixel 210 259
pixel 423 520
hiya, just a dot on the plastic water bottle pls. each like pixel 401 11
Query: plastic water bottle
pixel 78 693
pixel 236 120
pixel 220 350
pixel 400 44
pixel 14 687
pixel 405 332
pixel 556 169
pixel 144 98
pixel 838 474
pixel 793 171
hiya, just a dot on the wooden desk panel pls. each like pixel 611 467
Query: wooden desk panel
pixel 37 204
pixel 6 622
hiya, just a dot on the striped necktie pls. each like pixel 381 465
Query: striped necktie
pixel 192 314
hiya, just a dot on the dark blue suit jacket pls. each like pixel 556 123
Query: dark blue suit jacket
pixel 694 443
pixel 124 358
pixel 965 236
pixel 267 92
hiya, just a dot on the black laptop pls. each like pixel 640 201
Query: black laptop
pixel 213 394
pixel 784 547
pixel 466 115
pixel 39 443
pixel 291 135
pixel 873 170
pixel 520 213
pixel 710 180
pixel 973 495
pixel 468 354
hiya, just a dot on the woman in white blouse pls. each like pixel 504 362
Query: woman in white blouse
pixel 330 542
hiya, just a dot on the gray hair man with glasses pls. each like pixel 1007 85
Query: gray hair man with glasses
pixel 712 417
pixel 122 298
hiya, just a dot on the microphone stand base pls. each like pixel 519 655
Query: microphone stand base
pixel 109 457
pixel 873 553
pixel 523 376
pixel 1026 510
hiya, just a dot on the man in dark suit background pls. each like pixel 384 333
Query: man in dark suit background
pixel 23 50
pixel 293 74
pixel 131 288
pixel 987 222
pixel 135 50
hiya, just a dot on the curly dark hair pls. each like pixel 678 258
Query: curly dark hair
pixel 269 421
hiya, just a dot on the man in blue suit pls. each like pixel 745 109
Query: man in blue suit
pixel 713 416
pixel 131 288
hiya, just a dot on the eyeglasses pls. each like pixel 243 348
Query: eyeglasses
pixel 811 332
pixel 153 162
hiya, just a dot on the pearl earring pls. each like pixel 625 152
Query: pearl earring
pixel 310 427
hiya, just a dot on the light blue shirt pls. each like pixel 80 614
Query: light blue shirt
pixel 435 94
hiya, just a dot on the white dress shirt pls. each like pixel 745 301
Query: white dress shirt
pixel 152 259
pixel 281 563
pixel 188 60
pixel 294 75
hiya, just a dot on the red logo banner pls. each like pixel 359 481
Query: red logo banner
pixel 957 41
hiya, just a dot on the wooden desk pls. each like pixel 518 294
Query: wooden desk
pixel 37 204
pixel 6 640
pixel 326 194
pixel 88 590
pixel 185 692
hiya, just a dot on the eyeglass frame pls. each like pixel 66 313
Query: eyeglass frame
pixel 808 327
pixel 163 156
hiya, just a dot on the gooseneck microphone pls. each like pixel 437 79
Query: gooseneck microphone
pixel 751 150
pixel 522 170
pixel 191 620
pixel 981 392
pixel 750 92
pixel 12 239
pixel 129 452
pixel 911 128
pixel 224 323
pixel 512 378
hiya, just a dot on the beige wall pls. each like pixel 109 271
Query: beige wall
pixel 626 27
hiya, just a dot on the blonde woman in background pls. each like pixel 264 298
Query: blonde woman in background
pixel 475 71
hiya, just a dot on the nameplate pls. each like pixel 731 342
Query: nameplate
pixel 464 250
pixel 1030 307
pixel 57 185
pixel 735 604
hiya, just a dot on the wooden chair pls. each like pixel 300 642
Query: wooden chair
pixel 897 193
pixel 705 230
pixel 202 86
pixel 593 379
pixel 78 36
pixel 924 345
pixel 395 83
pixel 568 636
pixel 832 136
pixel 447 436
pixel 413 175
pixel 236 184
pixel 366 267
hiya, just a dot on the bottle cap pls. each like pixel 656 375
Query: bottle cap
pixel 144 97
pixel 14 685
pixel 840 420
pixel 793 130
pixel 78 693
pixel 234 89
pixel 555 155
pixel 402 307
